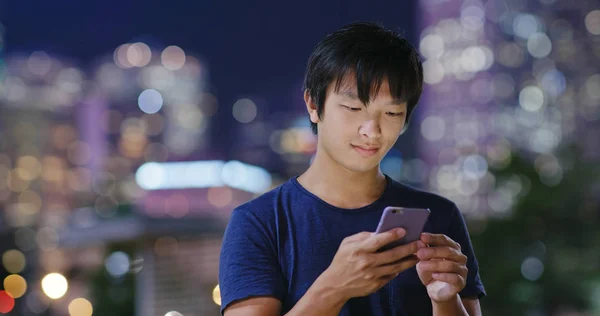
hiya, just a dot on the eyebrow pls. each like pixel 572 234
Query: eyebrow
pixel 354 96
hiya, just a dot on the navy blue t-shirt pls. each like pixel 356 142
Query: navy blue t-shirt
pixel 279 243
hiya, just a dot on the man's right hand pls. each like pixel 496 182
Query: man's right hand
pixel 359 270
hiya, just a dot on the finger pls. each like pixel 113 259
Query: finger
pixel 442 253
pixel 396 253
pixel 443 267
pixel 394 269
pixel 358 237
pixel 451 278
pixel 438 240
pixel 376 241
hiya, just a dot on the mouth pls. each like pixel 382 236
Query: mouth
pixel 366 151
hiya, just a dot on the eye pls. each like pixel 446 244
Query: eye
pixel 395 114
pixel 351 108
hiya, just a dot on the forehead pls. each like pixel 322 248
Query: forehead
pixel 347 89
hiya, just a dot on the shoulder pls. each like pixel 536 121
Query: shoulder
pixel 261 206
pixel 259 213
pixel 253 224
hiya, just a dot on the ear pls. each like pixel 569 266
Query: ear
pixel 311 107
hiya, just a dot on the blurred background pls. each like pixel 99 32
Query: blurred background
pixel 130 130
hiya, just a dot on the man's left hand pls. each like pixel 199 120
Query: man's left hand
pixel 442 267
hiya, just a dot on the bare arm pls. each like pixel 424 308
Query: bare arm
pixel 257 306
pixel 457 307
pixel 472 306
pixel 318 300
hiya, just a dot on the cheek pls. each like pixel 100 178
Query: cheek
pixel 393 127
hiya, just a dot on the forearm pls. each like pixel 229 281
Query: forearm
pixel 452 307
pixel 321 299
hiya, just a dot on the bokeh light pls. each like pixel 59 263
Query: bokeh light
pixel 532 268
pixel 29 167
pixel 244 110
pixel 138 54
pixel 592 22
pixel 177 205
pixel 433 71
pixel 15 285
pixel 531 98
pixel 55 285
pixel 539 45
pixel 117 264
pixel 150 176
pixel 433 128
pixel 216 295
pixel 15 182
pixel 173 313
pixel 120 56
pixel 80 307
pixel 219 196
pixel 13 261
pixel 7 302
pixel 150 101
pixel 37 302
pixel 173 57
pixel 39 63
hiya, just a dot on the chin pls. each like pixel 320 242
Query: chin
pixel 361 167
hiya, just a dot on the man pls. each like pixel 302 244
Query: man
pixel 307 247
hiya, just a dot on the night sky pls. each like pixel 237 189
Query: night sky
pixel 253 48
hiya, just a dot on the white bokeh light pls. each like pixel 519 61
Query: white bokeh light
pixel 433 128
pixel 433 71
pixel 531 98
pixel 150 101
pixel 432 46
pixel 525 25
pixel 539 45
pixel 55 285
pixel 150 176
pixel 475 166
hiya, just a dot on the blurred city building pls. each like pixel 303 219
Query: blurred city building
pixel 118 159
pixel 505 76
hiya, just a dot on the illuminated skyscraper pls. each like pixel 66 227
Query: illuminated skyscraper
pixel 42 165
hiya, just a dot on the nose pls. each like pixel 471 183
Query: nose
pixel 370 129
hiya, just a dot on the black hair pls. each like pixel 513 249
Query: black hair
pixel 373 54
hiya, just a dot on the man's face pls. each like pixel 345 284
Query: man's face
pixel 357 136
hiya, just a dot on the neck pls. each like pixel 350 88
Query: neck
pixel 341 187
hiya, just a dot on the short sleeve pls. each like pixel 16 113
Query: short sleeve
pixel 248 265
pixel 459 233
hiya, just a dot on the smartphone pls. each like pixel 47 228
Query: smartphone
pixel 411 219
